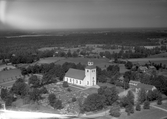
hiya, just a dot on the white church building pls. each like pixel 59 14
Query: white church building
pixel 81 77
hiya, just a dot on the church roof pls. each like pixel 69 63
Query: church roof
pixel 75 73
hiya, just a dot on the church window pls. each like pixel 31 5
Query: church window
pixel 93 77
pixel 87 70
pixel 87 82
pixel 76 81
pixel 80 82
pixel 70 80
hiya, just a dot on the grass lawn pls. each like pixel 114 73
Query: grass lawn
pixel 145 114
pixel 164 105
pixel 91 90
pixel 122 68
pixel 74 88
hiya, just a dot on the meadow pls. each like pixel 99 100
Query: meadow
pixel 145 114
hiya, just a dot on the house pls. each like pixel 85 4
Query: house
pixel 81 77
pixel 142 69
pixel 136 85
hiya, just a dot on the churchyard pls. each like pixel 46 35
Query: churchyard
pixel 66 95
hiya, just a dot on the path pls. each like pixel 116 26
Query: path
pixel 153 104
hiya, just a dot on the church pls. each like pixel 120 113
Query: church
pixel 81 77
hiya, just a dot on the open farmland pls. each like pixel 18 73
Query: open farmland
pixel 159 55
pixel 98 50
pixel 48 60
pixel 146 60
pixel 98 62
pixel 145 114
pixel 10 74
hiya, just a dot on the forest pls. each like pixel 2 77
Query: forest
pixel 29 45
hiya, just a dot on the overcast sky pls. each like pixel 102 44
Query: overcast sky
pixel 69 14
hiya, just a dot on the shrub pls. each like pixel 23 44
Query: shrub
pixel 138 107
pixel 146 105
pixel 65 84
pixel 69 90
pixel 115 110
pixel 159 102
pixel 74 99
pixel 129 108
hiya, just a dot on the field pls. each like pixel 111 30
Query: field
pixel 98 62
pixel 145 114
pixel 98 50
pixel 146 60
pixel 6 75
pixel 159 55
pixel 49 60
pixel 6 66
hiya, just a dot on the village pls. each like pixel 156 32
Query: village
pixel 64 85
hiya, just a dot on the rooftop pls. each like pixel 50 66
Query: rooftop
pixel 75 73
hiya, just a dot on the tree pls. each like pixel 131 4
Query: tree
pixel 35 95
pixel 138 107
pixel 20 88
pixel 129 65
pixel 102 79
pixel 4 94
pixel 127 76
pixel 54 102
pixel 129 109
pixel 124 101
pixel 9 100
pixel 146 105
pixel 24 71
pixel 125 85
pixel 58 104
pixel 52 99
pixel 130 97
pixel 150 95
pixel 65 84
pixel 94 102
pixel 101 90
pixel 115 110
pixel 141 95
pixel 111 95
pixel 74 99
pixel 159 99
pixel 34 81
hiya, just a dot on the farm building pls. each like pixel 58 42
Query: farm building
pixel 136 85
pixel 81 77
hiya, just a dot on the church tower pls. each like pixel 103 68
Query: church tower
pixel 90 74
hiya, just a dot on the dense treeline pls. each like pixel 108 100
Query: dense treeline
pixel 9 46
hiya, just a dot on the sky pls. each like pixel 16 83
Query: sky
pixel 78 14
